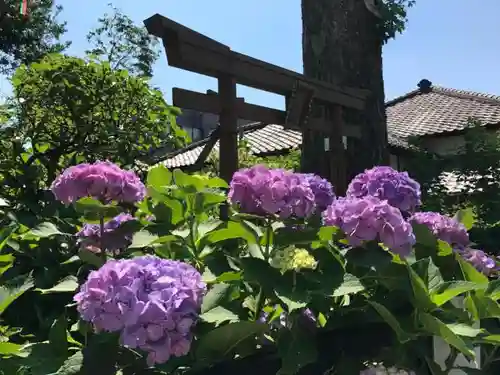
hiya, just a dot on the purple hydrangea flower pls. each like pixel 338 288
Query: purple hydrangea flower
pixel 385 183
pixel 152 302
pixel 102 180
pixel 112 238
pixel 322 190
pixel 262 191
pixel 444 228
pixel 479 259
pixel 368 219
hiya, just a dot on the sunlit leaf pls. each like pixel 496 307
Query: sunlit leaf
pixel 350 285
pixel 43 230
pixel 219 315
pixel 449 290
pixel 466 217
pixel 67 285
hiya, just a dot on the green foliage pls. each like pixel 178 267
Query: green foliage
pixel 369 304
pixel 289 160
pixel 476 169
pixel 394 16
pixel 24 40
pixel 67 110
pixel 124 45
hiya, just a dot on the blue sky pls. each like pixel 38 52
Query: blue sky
pixel 453 43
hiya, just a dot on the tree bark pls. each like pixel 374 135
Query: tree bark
pixel 342 44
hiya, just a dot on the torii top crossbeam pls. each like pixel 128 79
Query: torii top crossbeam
pixel 189 50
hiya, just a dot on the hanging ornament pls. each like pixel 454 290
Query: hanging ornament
pixel 24 8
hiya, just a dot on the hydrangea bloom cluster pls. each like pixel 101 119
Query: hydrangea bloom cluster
pixel 382 370
pixel 292 258
pixel 443 227
pixel 322 190
pixel 111 238
pixel 101 180
pixel 152 302
pixel 368 219
pixel 479 259
pixel 263 191
pixel 385 183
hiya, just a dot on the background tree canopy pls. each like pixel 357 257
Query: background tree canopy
pixel 66 110
pixel 27 39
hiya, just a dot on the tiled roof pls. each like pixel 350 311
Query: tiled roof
pixel 261 139
pixel 419 113
pixel 438 111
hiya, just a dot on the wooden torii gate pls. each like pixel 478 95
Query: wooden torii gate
pixel 189 50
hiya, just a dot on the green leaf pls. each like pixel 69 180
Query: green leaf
pixel 373 258
pixel 444 248
pixel 287 236
pixel 93 210
pixel 466 217
pixel 391 320
pixel 464 330
pixel 436 327
pixel 490 339
pixel 42 360
pixel 100 355
pixel 224 341
pixel 216 294
pixel 428 272
pixel 421 295
pixel 296 350
pixel 13 290
pixel 217 182
pixel 158 177
pixel 218 315
pixel 424 235
pixel 327 233
pixel 67 285
pixel 43 230
pixel 293 299
pixel 259 271
pixel 72 366
pixel 142 239
pixel 471 273
pixel 58 337
pixel 9 349
pixel 350 285
pixel 232 230
pixel 434 367
pixel 482 307
pixel 493 290
pixel 90 258
pixel 6 262
pixel 451 289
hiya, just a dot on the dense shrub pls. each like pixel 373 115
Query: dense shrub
pixel 278 285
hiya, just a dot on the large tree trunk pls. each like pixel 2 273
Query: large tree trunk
pixel 342 44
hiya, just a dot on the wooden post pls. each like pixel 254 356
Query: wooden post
pixel 336 153
pixel 228 123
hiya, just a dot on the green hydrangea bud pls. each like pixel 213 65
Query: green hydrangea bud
pixel 292 258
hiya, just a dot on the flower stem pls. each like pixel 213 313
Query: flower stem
pixel 269 230
pixel 259 303
pixel 101 226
